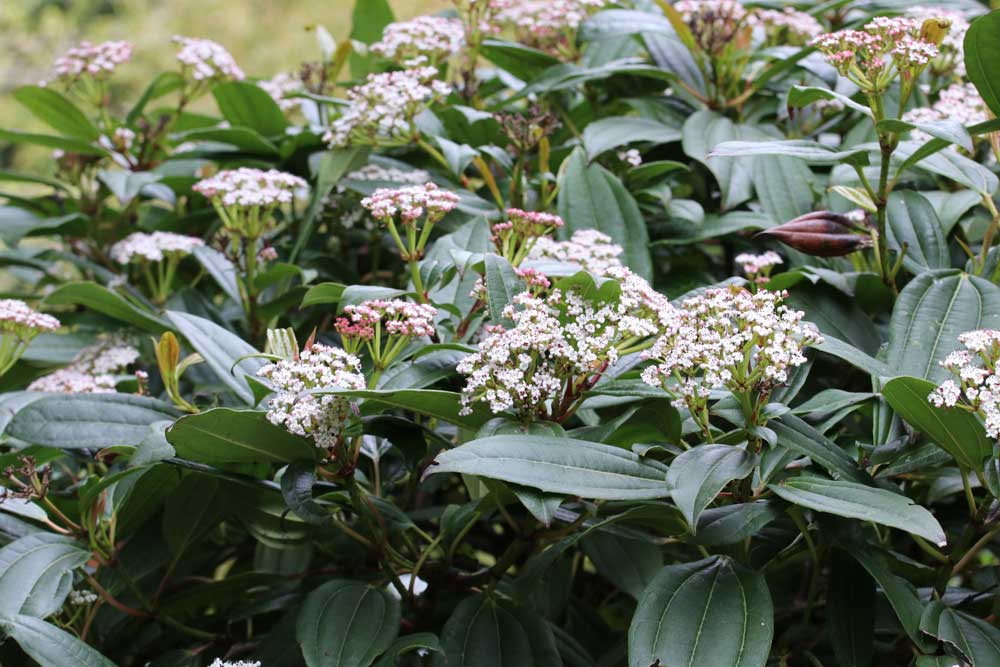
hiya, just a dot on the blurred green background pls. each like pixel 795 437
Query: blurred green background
pixel 265 36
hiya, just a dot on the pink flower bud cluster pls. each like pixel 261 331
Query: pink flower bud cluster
pixel 95 60
pixel 321 417
pixel 558 347
pixel 207 60
pixel 395 317
pixel 591 249
pixel 18 318
pixel 863 55
pixel 787 26
pixel 376 172
pixel 247 187
pixel 959 102
pixel 154 247
pixel 381 110
pixel 727 339
pixel 549 25
pixel 977 388
pixel 410 203
pixel 758 267
pixel 280 87
pixel 425 40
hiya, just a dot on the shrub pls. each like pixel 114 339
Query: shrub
pixel 535 333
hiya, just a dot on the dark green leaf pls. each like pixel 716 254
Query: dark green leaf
pixel 982 53
pixel 698 475
pixel 36 573
pixel 223 435
pixel 56 111
pixel 629 564
pixel 709 612
pixel 607 133
pixel 911 220
pixel 248 105
pixel 801 438
pixel 502 284
pixel 100 298
pixel 851 611
pixel 732 524
pixel 48 645
pixel 492 632
pixel 346 624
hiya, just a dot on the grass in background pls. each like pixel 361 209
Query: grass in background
pixel 265 36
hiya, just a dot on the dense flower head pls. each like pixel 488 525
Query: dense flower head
pixel 786 26
pixel 95 60
pixel 411 203
pixel 382 109
pixel 977 384
pixel 959 102
pixel 727 338
pixel 321 417
pixel 19 318
pixel 219 662
pixel 757 267
pixel 207 60
pixel 375 172
pixel 92 369
pixel 558 347
pixel 248 187
pixel 154 247
pixel 425 40
pixel 591 249
pixel 396 317
pixel 280 87
pixel 864 55
pixel 715 24
pixel 515 236
pixel 545 24
pixel 82 597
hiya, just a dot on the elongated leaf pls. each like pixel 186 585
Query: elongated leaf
pixel 104 301
pixel 800 96
pixel 607 133
pixel 367 22
pixel 898 591
pixel 858 501
pixel 783 185
pixel 323 293
pixel 853 356
pixel 932 310
pixel 950 164
pixel 710 612
pixel 522 61
pixel 981 56
pixel 973 638
pixel 810 151
pixel 346 624
pixel 78 421
pixel 48 645
pixel 221 349
pixel 558 465
pixel 221 269
pixel 248 105
pixel 958 432
pixel 590 197
pixel 949 130
pixel 296 488
pixel 734 523
pixel 56 111
pixel 419 641
pixel 912 220
pixel 501 286
pixel 801 438
pixel 36 573
pixel 630 564
pixel 444 405
pixel 194 507
pixel 698 475
pixel 492 632
pixel 703 133
pixel 223 435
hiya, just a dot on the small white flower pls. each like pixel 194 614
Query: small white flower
pixel 96 60
pixel 207 60
pixel 591 249
pixel 425 40
pixel 153 247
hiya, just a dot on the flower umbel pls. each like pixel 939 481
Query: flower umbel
pixel 591 249
pixel 19 325
pixel 425 40
pixel 157 255
pixel 515 237
pixel 384 328
pixel 321 417
pixel 976 387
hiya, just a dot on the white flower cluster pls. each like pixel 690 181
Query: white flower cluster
pixel 952 58
pixel 978 386
pixel 207 60
pixel 382 109
pixel 397 317
pixel 632 157
pixel 883 39
pixel 786 26
pixel 375 172
pixel 248 187
pixel 239 663
pixel 545 24
pixel 425 40
pixel 80 598
pixel 727 338
pixel 20 319
pixel 280 87
pixel 757 267
pixel 591 249
pixel 959 101
pixel 96 60
pixel 558 347
pixel 154 247
pixel 92 369
pixel 320 417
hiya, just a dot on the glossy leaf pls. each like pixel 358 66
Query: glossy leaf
pixel 104 301
pixel 346 624
pixel 36 573
pixel 862 502
pixel 981 57
pixel 48 645
pixel 698 475
pixel 492 632
pixel 223 435
pixel 56 111
pixel 911 220
pixel 709 612
pixel 248 105
pixel 558 465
